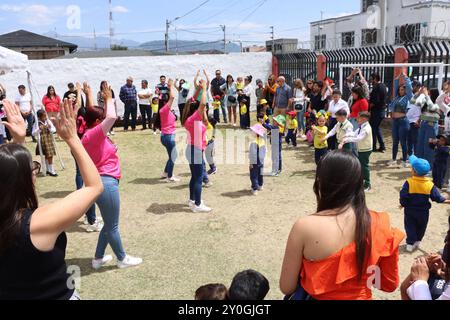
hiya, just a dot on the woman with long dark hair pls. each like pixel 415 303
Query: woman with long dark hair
pixel 230 91
pixel 193 120
pixel 52 102
pixel 183 93
pixel 245 98
pixel 32 237
pixel 343 237
pixel 104 154
pixel 104 86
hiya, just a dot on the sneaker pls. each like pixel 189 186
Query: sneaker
pixel 405 165
pixel 261 188
pixel 164 175
pixel 172 180
pixel 128 262
pixel 98 263
pixel 85 221
pixel 112 133
pixel 154 133
pixel 207 184
pixel 191 204
pixel 96 227
pixel 52 174
pixel 275 174
pixel 417 244
pixel 410 248
pixel 392 163
pixel 201 208
pixel 368 189
pixel 255 192
pixel 212 171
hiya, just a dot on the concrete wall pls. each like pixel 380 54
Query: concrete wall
pixel 60 72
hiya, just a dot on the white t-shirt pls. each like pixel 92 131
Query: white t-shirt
pixel 24 102
pixel 335 107
pixel 146 102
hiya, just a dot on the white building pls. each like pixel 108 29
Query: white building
pixel 384 22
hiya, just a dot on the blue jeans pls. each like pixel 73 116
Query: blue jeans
pixel 256 177
pixel 400 129
pixel 301 121
pixel 168 141
pixel 412 139
pixel 196 165
pixel 90 214
pixel 109 204
pixel 427 131
pixel 224 109
pixel 376 118
pixel 30 121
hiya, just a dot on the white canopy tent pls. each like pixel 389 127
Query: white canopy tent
pixel 12 61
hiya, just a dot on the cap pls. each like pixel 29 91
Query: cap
pixel 421 166
pixel 130 78
pixel 263 101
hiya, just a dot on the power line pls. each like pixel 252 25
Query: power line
pixel 251 13
pixel 220 12
pixel 193 10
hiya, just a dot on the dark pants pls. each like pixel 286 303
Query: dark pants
pixel 157 117
pixel 168 141
pixel 427 131
pixel 332 141
pixel 413 138
pixel 319 153
pixel 216 115
pixel 30 121
pixel 364 158
pixel 439 172
pixel 181 109
pixel 146 115
pixel 376 119
pixel 196 163
pixel 256 177
pixel 245 118
pixel 416 222
pixel 291 136
pixel 130 109
pixel 90 214
pixel 400 128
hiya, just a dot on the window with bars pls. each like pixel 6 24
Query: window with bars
pixel 348 39
pixel 408 33
pixel 369 37
pixel 320 42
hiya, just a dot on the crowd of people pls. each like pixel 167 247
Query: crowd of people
pixel 343 235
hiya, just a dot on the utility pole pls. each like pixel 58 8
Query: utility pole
pixel 95 41
pixel 167 35
pixel 320 31
pixel 224 29
pixel 111 25
pixel 273 38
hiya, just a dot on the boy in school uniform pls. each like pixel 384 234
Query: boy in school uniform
pixel 442 153
pixel 257 153
pixel 292 126
pixel 342 129
pixel 364 142
pixel 415 198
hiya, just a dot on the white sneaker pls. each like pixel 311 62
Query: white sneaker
pixel 261 188
pixel 86 222
pixel 191 204
pixel 112 133
pixel 164 175
pixel 255 192
pixel 154 133
pixel 201 208
pixel 128 262
pixel 98 263
pixel 392 163
pixel 96 227
pixel 410 248
pixel 275 174
pixel 173 179
pixel 417 244
pixel 405 164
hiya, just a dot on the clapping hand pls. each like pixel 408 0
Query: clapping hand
pixel 65 124
pixel 419 270
pixel 16 123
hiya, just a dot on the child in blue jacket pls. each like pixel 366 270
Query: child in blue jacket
pixel 415 198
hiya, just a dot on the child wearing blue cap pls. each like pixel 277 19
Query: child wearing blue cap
pixel 415 198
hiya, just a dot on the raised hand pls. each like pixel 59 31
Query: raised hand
pixel 16 123
pixel 203 84
pixel 65 124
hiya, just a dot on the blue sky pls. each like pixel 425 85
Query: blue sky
pixel 145 20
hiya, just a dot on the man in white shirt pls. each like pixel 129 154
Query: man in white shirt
pixel 336 104
pixel 145 95
pixel 23 101
pixel 413 115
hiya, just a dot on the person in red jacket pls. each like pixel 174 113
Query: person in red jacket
pixel 360 104
pixel 52 102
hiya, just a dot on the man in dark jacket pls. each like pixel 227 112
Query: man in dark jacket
pixel 128 95
pixel 377 109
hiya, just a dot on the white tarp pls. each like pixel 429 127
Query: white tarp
pixel 12 61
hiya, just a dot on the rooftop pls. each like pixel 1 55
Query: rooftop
pixel 26 39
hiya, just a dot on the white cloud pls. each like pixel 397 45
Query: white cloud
pixel 120 9
pixel 36 14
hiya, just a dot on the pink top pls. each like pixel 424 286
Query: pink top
pixel 196 129
pixel 102 152
pixel 51 104
pixel 167 120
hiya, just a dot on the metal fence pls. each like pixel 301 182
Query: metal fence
pixel 303 65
